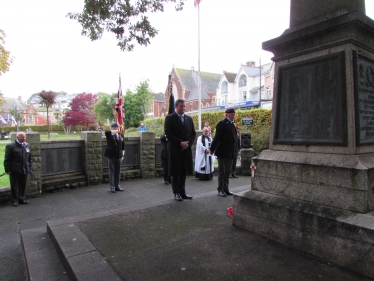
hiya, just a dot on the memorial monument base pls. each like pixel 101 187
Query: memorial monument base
pixel 340 181
pixel 342 237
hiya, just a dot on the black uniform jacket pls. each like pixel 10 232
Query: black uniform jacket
pixel 114 148
pixel 225 140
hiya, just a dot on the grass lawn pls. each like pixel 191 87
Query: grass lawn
pixel 4 180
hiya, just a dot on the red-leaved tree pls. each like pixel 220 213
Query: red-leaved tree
pixel 81 112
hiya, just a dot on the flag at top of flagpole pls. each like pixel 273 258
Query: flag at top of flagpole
pixel 119 108
pixel 196 2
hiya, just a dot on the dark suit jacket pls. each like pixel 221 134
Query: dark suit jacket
pixel 176 132
pixel 114 148
pixel 224 142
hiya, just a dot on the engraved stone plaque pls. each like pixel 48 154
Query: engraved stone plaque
pixel 364 99
pixel 61 160
pixel 311 107
pixel 158 154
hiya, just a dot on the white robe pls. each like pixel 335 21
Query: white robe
pixel 202 158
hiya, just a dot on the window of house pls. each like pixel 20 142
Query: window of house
pixel 243 81
pixel 268 92
pixel 31 118
pixel 225 99
pixel 244 95
pixel 224 88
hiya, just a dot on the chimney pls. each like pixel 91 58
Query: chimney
pixel 250 63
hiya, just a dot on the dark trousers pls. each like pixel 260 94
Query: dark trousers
pixel 114 166
pixel 233 166
pixel 18 186
pixel 178 182
pixel 224 170
pixel 166 169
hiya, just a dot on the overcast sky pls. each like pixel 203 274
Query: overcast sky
pixel 51 54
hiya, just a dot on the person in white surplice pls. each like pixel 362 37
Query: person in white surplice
pixel 204 161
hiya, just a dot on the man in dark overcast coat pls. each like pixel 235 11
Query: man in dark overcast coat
pixel 223 146
pixel 180 132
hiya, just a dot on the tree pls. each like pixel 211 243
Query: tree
pixel 105 108
pixel 128 21
pixel 81 113
pixel 144 94
pixel 137 105
pixel 47 99
pixel 133 109
pixel 5 58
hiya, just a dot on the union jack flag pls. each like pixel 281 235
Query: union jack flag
pixel 119 108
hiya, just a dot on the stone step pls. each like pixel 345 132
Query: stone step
pixel 80 258
pixel 42 260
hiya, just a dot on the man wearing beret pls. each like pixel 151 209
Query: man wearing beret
pixel 115 150
pixel 223 146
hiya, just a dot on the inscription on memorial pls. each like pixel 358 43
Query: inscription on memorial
pixel 62 160
pixel 312 102
pixel 364 93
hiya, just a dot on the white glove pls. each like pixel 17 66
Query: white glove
pixel 114 132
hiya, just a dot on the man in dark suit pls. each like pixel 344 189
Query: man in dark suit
pixel 223 146
pixel 180 132
pixel 115 150
pixel 17 164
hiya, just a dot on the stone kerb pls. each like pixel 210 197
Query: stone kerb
pixel 147 154
pixel 93 156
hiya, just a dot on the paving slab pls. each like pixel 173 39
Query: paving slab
pixel 195 240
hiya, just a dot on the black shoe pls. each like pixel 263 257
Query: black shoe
pixel 113 190
pixel 177 197
pixel 23 201
pixel 15 204
pixel 186 196
pixel 234 176
pixel 119 189
pixel 228 192
pixel 166 182
pixel 231 176
pixel 221 193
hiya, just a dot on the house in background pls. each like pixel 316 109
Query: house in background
pixel 246 90
pixel 158 105
pixel 7 110
pixel 30 114
pixel 185 86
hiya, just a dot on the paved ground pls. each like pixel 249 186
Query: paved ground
pixel 146 235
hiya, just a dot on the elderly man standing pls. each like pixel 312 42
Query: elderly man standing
pixel 180 132
pixel 223 146
pixel 115 150
pixel 17 164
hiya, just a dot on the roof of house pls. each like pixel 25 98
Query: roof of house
pixel 188 79
pixel 158 97
pixel 255 70
pixel 230 76
pixel 12 103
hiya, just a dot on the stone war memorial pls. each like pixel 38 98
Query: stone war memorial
pixel 313 190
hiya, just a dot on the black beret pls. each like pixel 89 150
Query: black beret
pixel 114 124
pixel 230 110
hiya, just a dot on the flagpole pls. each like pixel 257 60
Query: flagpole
pixel 198 76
